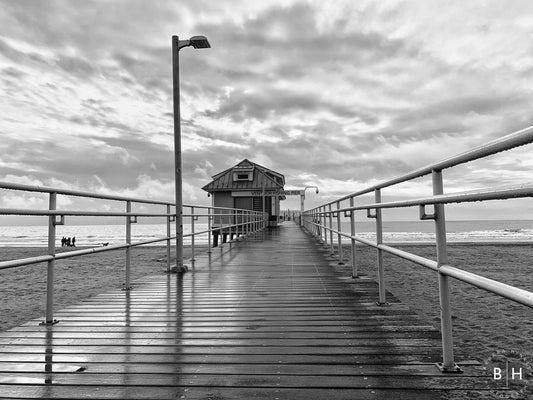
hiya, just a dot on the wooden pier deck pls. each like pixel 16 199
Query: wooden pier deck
pixel 267 318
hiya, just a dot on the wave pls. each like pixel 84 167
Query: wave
pixel 94 235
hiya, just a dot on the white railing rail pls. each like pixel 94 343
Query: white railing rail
pixel 319 221
pixel 221 221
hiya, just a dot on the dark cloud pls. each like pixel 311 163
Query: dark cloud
pixel 75 65
pixel 242 105
pixel 13 72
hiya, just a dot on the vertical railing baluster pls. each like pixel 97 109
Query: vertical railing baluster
pixel 240 225
pixel 128 249
pixel 49 318
pixel 352 234
pixel 168 238
pixel 314 226
pixel 221 228
pixel 379 240
pixel 254 222
pixel 209 230
pixel 448 364
pixel 339 237
pixel 320 221
pixel 230 228
pixel 302 198
pixel 330 217
pixel 192 234
pixel 324 218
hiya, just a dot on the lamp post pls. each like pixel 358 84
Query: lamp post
pixel 197 42
pixel 302 198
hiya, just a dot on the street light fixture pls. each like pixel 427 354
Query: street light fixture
pixel 302 198
pixel 310 187
pixel 197 42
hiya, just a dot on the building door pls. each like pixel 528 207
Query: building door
pixel 258 204
pixel 243 202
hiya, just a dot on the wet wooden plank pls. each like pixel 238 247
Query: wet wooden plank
pixel 273 379
pixel 265 318
pixel 213 393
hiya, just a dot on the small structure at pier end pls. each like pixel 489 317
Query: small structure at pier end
pixel 248 186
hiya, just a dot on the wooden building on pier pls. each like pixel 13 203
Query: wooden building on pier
pixel 248 186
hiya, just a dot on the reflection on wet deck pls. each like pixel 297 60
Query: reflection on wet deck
pixel 267 318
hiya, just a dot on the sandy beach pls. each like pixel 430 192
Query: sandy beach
pixel 24 288
pixel 487 328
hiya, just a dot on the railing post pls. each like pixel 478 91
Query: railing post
pixel 209 231
pixel 221 229
pixel 330 215
pixel 315 222
pixel 168 236
pixel 254 222
pixel 324 218
pixel 352 234
pixel 448 364
pixel 49 317
pixel 241 225
pixel 339 237
pixel 128 249
pixel 302 198
pixel 318 227
pixel 192 234
pixel 379 240
pixel 231 222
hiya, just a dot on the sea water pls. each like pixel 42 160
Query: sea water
pixel 393 232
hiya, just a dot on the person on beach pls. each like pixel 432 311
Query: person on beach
pixel 74 241
pixel 63 241
pixel 68 242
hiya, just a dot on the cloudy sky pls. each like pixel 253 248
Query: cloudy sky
pixel 339 94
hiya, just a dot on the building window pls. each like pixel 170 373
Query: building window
pixel 243 176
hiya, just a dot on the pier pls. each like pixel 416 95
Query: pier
pixel 267 316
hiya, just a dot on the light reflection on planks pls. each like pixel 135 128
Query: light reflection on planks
pixel 266 318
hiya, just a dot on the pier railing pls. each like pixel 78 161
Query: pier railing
pixel 220 221
pixel 325 222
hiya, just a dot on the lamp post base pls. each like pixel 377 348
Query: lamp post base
pixel 181 269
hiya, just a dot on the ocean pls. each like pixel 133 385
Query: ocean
pixel 479 231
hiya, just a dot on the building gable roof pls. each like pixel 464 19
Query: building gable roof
pixel 262 178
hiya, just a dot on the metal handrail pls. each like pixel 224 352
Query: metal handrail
pixel 231 222
pixel 79 193
pixel 319 222
pixel 502 193
pixel 508 142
